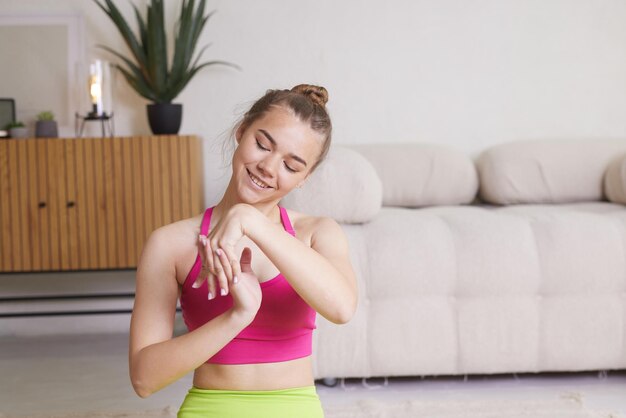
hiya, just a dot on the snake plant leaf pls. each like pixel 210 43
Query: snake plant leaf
pixel 195 63
pixel 131 65
pixel 133 72
pixel 185 42
pixel 200 23
pixel 177 75
pixel 176 89
pixel 182 38
pixel 150 75
pixel 129 38
pixel 197 24
pixel 137 85
pixel 157 46
pixel 142 27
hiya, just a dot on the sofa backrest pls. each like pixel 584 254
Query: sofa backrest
pixel 421 174
pixel 546 171
pixel 356 180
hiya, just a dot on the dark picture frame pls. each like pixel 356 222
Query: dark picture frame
pixel 7 112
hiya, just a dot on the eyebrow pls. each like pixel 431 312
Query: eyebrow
pixel 269 137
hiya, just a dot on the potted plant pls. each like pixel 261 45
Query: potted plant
pixel 46 126
pixel 17 129
pixel 147 69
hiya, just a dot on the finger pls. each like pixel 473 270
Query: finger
pixel 234 265
pixel 211 285
pixel 203 266
pixel 226 264
pixel 219 272
pixel 246 260
pixel 202 276
pixel 211 268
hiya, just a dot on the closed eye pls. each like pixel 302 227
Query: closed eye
pixel 258 144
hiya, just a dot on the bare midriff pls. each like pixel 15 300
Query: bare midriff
pixel 259 376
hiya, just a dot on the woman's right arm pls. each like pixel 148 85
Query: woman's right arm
pixel 155 358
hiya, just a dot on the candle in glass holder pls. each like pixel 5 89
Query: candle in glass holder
pixel 95 87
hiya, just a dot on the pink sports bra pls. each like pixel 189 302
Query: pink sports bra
pixel 281 330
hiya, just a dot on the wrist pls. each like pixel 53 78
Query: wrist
pixel 250 220
pixel 239 319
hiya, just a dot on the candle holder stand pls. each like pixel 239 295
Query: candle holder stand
pixel 106 121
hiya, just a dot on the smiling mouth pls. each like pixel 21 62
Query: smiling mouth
pixel 257 181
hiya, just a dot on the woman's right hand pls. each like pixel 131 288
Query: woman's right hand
pixel 246 293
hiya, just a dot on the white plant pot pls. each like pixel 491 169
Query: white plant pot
pixel 18 132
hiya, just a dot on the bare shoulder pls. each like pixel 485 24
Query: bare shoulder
pixel 180 237
pixel 309 227
pixel 180 233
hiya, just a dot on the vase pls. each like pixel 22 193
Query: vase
pixel 165 118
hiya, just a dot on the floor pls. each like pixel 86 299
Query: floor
pixel 89 372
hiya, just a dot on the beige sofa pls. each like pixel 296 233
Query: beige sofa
pixel 514 261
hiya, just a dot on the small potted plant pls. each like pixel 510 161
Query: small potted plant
pixel 46 126
pixel 17 130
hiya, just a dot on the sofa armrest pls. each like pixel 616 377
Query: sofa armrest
pixel 615 180
pixel 344 187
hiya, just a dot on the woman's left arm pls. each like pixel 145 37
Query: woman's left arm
pixel 321 274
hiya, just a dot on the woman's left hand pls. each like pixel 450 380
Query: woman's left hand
pixel 219 260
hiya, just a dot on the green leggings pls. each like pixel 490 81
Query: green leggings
pixel 301 402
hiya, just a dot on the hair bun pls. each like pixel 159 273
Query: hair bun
pixel 317 94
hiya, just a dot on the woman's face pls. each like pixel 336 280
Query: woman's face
pixel 274 155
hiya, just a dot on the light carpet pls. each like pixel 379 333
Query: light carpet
pixel 568 405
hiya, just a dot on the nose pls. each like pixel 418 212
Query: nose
pixel 267 166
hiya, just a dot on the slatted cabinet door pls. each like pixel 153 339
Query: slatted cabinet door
pixel 87 241
pixel 90 203
pixel 18 164
pixel 8 184
pixel 27 178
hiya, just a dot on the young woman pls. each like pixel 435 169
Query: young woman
pixel 261 273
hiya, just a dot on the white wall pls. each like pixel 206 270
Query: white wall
pixel 466 73
pixel 48 81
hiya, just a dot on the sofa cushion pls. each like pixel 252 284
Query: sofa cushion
pixel 546 171
pixel 615 180
pixel 344 187
pixel 484 289
pixel 418 174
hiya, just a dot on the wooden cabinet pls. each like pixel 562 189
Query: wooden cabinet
pixel 90 203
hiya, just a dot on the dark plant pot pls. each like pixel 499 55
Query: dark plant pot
pixel 46 129
pixel 165 118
